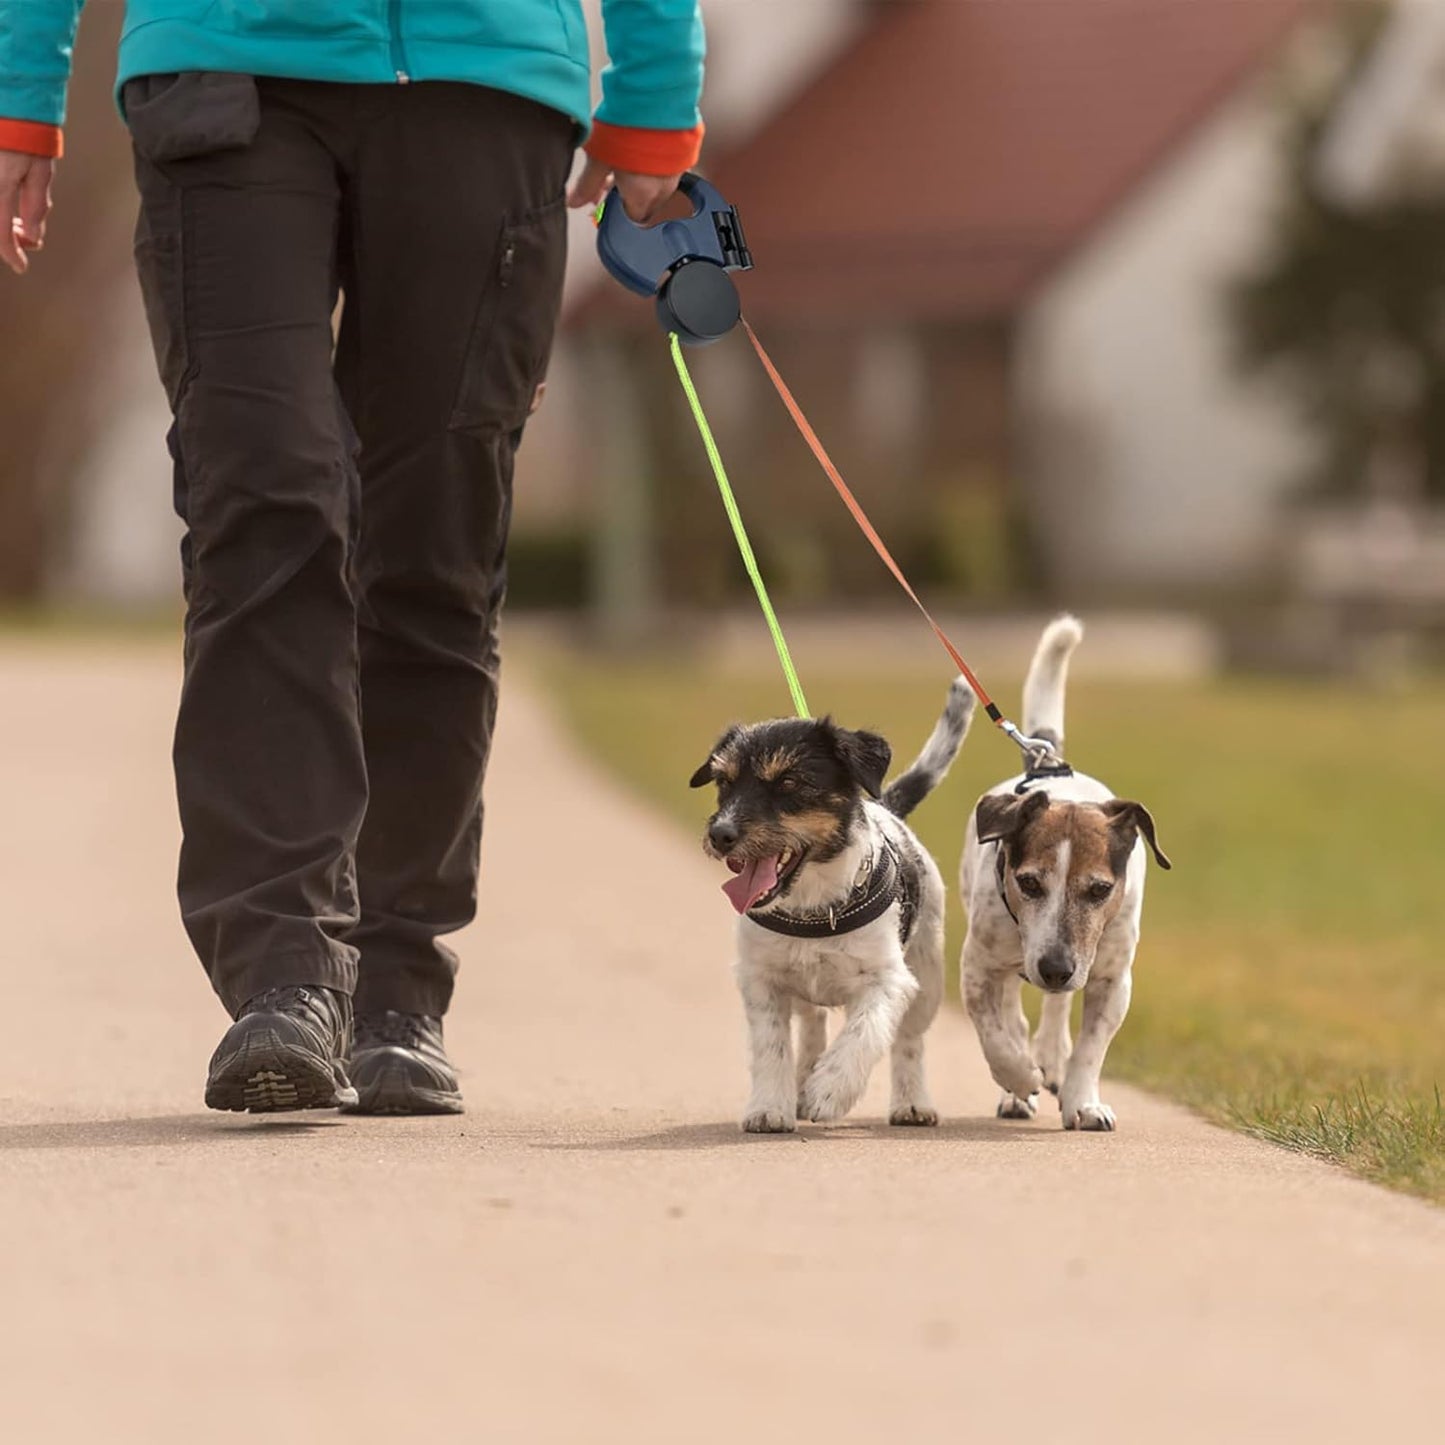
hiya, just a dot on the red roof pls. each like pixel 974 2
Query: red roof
pixel 960 148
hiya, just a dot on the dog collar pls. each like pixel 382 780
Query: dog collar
pixel 1037 772
pixel 998 873
pixel 884 884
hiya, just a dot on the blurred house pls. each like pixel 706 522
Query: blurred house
pixel 992 240
pixel 992 245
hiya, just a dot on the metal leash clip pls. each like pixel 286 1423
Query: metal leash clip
pixel 1041 758
pixel 1035 750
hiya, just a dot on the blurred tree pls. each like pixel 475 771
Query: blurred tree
pixel 53 358
pixel 1348 307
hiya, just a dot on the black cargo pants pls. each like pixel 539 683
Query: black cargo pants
pixel 346 507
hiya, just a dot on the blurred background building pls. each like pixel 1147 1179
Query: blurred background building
pixel 1124 302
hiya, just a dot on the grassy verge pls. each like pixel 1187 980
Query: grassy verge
pixel 48 625
pixel 1290 981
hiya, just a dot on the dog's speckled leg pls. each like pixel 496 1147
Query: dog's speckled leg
pixel 910 1104
pixel 1106 1001
pixel 841 1075
pixel 812 1038
pixel 1052 1044
pixel 772 1109
pixel 992 998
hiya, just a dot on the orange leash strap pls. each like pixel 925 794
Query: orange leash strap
pixel 859 516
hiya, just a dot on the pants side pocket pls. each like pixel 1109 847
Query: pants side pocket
pixel 193 113
pixel 515 321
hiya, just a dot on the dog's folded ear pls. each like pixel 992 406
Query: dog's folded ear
pixel 864 754
pixel 1128 821
pixel 994 816
pixel 707 773
pixel 1002 815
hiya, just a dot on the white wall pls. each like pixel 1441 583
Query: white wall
pixel 124 542
pixel 1148 462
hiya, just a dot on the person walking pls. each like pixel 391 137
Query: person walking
pixel 346 494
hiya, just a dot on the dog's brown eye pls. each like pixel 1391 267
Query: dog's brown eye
pixel 1029 885
pixel 787 784
pixel 1098 891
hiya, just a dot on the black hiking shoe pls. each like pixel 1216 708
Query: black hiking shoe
pixel 399 1066
pixel 287 1050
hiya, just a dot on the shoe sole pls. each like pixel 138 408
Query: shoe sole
pixel 270 1076
pixel 391 1091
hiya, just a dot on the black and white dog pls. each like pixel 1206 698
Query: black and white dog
pixel 839 906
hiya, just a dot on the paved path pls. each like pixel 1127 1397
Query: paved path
pixel 594 1253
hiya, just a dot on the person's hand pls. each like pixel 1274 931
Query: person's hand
pixel 642 196
pixel 24 205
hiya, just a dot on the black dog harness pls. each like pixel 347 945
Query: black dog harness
pixel 885 883
pixel 1038 769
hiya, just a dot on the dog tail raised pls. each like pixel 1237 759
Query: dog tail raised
pixel 1048 672
pixel 931 766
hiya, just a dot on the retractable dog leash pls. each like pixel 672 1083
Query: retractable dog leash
pixel 684 264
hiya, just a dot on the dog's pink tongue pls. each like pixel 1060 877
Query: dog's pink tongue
pixel 756 877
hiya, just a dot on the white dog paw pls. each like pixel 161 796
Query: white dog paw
pixel 918 1116
pixel 1010 1106
pixel 1091 1118
pixel 768 1121
pixel 825 1097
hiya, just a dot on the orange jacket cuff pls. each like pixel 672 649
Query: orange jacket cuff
pixel 31 138
pixel 648 152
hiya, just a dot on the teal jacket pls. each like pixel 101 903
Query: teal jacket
pixel 536 48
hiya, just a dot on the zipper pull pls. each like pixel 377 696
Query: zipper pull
pixel 509 255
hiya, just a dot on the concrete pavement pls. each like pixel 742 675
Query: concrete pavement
pixel 594 1253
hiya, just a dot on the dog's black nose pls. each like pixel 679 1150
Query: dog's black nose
pixel 722 835
pixel 1055 970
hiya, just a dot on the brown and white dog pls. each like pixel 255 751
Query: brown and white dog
pixel 1053 880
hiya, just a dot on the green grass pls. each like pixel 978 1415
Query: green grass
pixel 1290 981
pixel 62 625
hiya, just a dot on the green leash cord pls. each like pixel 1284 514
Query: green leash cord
pixel 800 703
